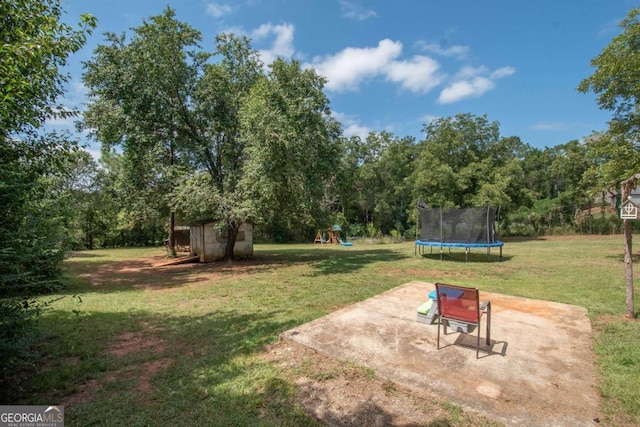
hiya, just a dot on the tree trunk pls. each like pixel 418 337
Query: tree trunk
pixel 172 215
pixel 628 268
pixel 172 235
pixel 232 233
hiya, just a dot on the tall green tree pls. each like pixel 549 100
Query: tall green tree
pixel 617 85
pixel 535 164
pixel 615 79
pixel 35 46
pixel 293 146
pixel 181 115
pixel 142 100
pixel 216 145
pixel 347 187
pixel 381 190
pixel 568 175
pixel 463 161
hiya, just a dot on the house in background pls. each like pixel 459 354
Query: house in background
pixel 209 244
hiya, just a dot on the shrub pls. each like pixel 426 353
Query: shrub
pixel 17 331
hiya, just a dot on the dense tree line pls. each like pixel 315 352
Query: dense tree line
pixel 463 161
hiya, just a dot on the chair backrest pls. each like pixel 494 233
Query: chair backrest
pixel 458 303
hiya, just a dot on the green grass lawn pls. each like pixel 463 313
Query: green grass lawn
pixel 181 346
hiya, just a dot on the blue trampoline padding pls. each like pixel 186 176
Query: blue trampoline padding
pixel 496 244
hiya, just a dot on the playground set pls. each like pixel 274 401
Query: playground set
pixel 333 237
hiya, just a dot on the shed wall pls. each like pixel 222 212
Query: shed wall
pixel 209 245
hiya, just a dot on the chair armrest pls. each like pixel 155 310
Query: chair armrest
pixel 485 305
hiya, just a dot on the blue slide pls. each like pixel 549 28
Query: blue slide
pixel 344 243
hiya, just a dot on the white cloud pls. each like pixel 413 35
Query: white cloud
pixel 95 153
pixel 218 10
pixel 282 45
pixel 354 129
pixel 351 127
pixel 472 82
pixel 468 72
pixel 354 10
pixel 234 29
pixel 347 69
pixel 351 67
pixel 418 75
pixel 453 51
pixel 465 89
pixel 503 72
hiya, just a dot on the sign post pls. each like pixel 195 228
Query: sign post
pixel 628 213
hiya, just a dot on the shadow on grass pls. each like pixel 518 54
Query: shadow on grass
pixel 142 274
pixel 635 258
pixel 148 369
pixel 472 257
pixel 339 260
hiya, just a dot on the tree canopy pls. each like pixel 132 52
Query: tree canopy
pixel 35 45
pixel 617 84
pixel 213 126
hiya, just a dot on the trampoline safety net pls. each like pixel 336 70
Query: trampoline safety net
pixel 458 225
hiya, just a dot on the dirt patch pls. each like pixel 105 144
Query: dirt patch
pixel 135 342
pixel 147 372
pixel 339 393
pixel 88 390
pixel 144 273
pixel 129 343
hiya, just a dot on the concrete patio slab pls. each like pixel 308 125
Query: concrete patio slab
pixel 538 370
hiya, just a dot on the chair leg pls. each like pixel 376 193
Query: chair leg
pixel 489 324
pixel 439 321
pixel 478 344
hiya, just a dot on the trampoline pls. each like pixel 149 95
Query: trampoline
pixel 466 228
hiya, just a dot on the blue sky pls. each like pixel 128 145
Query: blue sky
pixel 395 65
